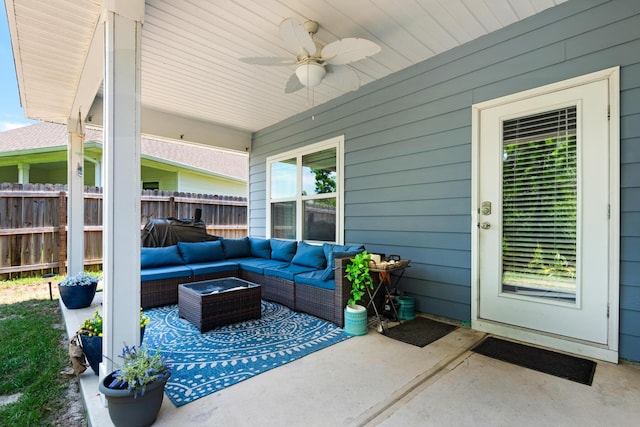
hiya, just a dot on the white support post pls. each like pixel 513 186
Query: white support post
pixel 75 198
pixel 23 173
pixel 121 238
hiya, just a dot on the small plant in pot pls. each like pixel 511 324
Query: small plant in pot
pixel 357 272
pixel 135 390
pixel 91 337
pixel 77 291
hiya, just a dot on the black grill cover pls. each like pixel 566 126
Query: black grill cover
pixel 170 231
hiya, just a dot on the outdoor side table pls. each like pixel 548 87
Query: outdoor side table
pixel 219 302
pixel 388 279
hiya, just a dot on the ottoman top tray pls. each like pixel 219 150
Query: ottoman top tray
pixel 216 286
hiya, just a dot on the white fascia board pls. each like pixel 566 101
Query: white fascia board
pixel 90 80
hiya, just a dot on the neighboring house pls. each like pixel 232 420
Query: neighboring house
pixel 38 154
pixel 418 157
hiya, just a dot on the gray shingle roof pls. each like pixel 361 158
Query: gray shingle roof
pixel 43 136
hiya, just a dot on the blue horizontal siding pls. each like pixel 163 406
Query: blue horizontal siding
pixel 408 146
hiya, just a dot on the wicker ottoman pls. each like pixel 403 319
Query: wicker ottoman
pixel 219 302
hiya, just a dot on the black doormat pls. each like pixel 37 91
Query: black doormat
pixel 419 331
pixel 558 364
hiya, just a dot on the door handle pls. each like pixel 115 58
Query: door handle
pixel 485 226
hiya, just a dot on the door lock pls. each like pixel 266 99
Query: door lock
pixel 485 226
pixel 485 208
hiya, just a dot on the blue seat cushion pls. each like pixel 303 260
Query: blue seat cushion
pixel 160 257
pixel 257 265
pixel 314 278
pixel 170 272
pixel 283 250
pixel 236 248
pixel 310 256
pixel 331 252
pixel 195 252
pixel 214 267
pixel 260 248
pixel 287 271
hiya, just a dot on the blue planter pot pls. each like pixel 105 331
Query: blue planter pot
pixel 92 348
pixel 125 410
pixel 77 296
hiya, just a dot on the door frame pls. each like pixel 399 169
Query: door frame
pixel 608 352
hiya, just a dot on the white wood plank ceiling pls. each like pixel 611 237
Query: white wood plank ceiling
pixel 191 49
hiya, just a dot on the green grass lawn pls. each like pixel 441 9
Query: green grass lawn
pixel 31 356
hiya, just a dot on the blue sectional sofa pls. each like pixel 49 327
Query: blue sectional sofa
pixel 302 276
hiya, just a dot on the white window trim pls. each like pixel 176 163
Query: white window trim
pixel 335 142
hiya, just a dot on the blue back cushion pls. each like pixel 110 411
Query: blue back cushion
pixel 283 250
pixel 160 257
pixel 309 256
pixel 195 252
pixel 236 248
pixel 260 248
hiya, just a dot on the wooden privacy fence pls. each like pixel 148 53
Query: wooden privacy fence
pixel 33 223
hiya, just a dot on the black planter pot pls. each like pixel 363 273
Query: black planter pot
pixel 92 348
pixel 127 411
pixel 77 296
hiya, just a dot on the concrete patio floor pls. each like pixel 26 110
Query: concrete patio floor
pixel 376 381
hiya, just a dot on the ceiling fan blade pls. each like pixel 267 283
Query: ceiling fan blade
pixel 341 77
pixel 267 60
pixel 293 84
pixel 348 50
pixel 296 38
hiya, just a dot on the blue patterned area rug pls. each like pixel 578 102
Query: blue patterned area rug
pixel 208 362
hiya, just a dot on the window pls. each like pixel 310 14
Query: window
pixel 155 185
pixel 304 193
pixel 540 193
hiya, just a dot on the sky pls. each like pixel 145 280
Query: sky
pixel 11 113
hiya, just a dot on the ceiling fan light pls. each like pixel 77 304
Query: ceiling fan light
pixel 310 74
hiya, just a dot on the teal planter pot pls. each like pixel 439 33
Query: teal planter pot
pixel 355 320
pixel 407 308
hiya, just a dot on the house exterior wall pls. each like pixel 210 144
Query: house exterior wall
pixel 408 147
pixel 52 173
pixel 168 180
pixel 196 183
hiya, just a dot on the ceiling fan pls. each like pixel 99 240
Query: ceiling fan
pixel 316 63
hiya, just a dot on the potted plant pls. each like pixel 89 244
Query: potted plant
pixel 357 272
pixel 91 338
pixel 78 291
pixel 135 391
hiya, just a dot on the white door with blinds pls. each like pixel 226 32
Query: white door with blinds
pixel 543 220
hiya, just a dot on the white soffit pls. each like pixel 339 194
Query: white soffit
pixel 50 40
pixel 191 50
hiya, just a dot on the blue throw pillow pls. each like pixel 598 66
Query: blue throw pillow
pixel 195 252
pixel 309 256
pixel 160 257
pixel 329 271
pixel 260 248
pixel 330 251
pixel 283 250
pixel 236 248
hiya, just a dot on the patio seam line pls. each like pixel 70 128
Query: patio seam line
pixel 384 409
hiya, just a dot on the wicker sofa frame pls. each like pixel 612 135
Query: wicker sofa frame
pixel 328 304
